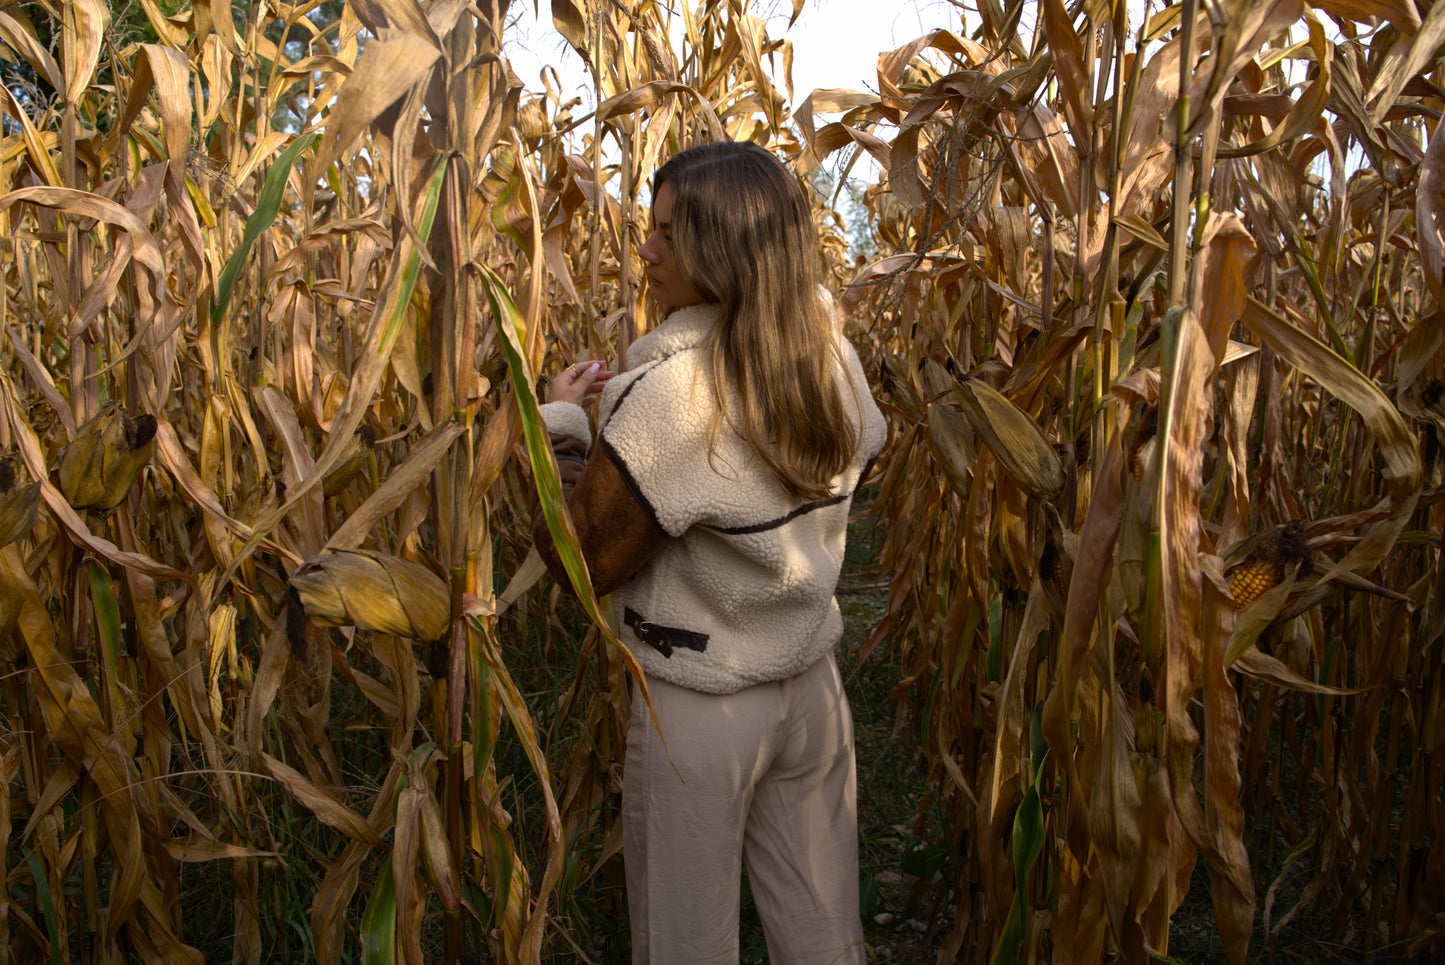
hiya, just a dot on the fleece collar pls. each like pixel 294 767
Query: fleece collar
pixel 683 329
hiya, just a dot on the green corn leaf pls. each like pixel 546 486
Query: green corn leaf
pixel 107 612
pixel 378 922
pixel 544 468
pixel 484 737
pixel 868 895
pixel 267 206
pixel 1028 843
pixel 478 902
pixel 925 860
pixel 502 879
pixel 539 448
pixel 1038 745
pixel 1007 950
pixel 368 372
pixel 47 905
pixel 1028 839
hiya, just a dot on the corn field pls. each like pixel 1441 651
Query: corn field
pixel 1154 302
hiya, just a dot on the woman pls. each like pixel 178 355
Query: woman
pixel 713 508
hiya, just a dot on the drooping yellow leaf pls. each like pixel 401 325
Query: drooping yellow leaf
pixel 1069 64
pixel 401 482
pixel 1410 52
pixel 394 63
pixel 165 70
pixel 1346 383
pixel 195 849
pixel 87 205
pixel 320 802
pixel 21 38
pixel 83 26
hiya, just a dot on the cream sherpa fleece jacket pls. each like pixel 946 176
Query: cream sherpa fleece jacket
pixel 745 564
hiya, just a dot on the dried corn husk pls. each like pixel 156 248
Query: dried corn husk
pixel 1261 562
pixel 18 501
pixel 105 458
pixel 1014 438
pixel 11 600
pixel 936 380
pixel 374 591
pixel 362 442
pixel 898 384
pixel 952 441
pixel 1139 438
pixel 1054 567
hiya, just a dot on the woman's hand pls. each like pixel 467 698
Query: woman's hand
pixel 580 383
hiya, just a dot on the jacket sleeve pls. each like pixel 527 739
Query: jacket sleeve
pixel 616 532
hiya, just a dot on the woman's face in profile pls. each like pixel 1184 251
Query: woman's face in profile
pixel 665 283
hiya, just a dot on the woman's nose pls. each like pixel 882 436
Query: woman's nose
pixel 648 251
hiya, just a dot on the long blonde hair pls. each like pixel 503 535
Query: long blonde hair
pixel 743 237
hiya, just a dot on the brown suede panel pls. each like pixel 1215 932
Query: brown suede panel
pixel 571 455
pixel 616 533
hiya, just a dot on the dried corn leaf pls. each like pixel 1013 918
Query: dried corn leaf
pixel 400 483
pixel 84 204
pixel 395 63
pixel 195 849
pixel 320 802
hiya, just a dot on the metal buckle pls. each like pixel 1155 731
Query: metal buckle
pixel 654 636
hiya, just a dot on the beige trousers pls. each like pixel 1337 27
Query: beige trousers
pixel 767 776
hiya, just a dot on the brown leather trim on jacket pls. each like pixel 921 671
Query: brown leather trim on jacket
pixel 616 533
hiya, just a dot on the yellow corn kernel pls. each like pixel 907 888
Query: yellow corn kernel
pixel 1249 581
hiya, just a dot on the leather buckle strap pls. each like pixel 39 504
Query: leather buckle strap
pixel 660 638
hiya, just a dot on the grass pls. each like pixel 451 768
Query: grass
pixel 892 776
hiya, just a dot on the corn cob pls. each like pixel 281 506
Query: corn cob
pixel 1264 563
pixel 1052 570
pixel 1143 425
pixel 371 590
pixel 898 385
pixel 937 383
pixel 1014 437
pixel 1249 581
pixel 952 441
pixel 18 501
pixel 105 458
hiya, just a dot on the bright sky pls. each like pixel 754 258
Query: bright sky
pixel 836 43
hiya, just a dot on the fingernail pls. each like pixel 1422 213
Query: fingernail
pixel 592 369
